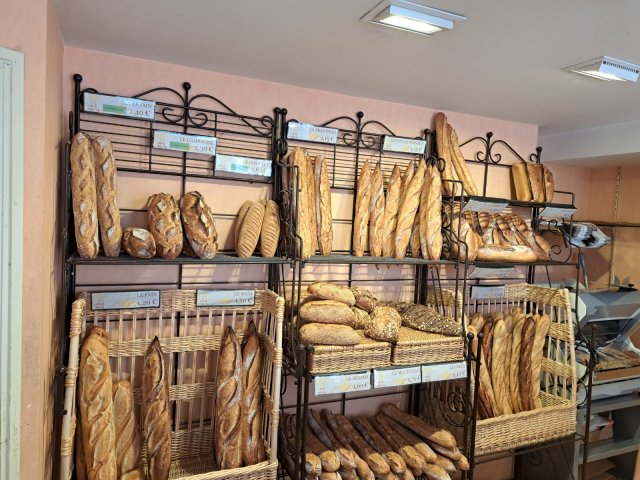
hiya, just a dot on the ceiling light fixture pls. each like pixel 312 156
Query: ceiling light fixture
pixel 608 69
pixel 411 17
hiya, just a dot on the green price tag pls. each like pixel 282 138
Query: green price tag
pixel 117 109
pixel 179 146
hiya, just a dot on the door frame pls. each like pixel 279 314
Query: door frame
pixel 11 251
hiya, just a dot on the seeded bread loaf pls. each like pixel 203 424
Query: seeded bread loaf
pixel 332 291
pixel 327 311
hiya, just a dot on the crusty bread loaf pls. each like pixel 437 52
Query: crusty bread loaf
pixel 487 402
pixel 544 245
pixel 414 241
pixel 270 231
pixel 514 365
pixel 526 349
pixel 521 181
pixel 364 299
pixel 328 458
pixel 165 225
pixel 506 253
pixel 376 462
pixel 419 427
pixel 384 324
pixel 362 318
pixel 244 208
pixel 430 213
pixel 252 442
pixel 549 186
pixel 376 212
pixel 323 206
pixel 444 151
pixel 309 189
pixel 138 243
pixel 539 339
pixel 459 163
pixel 407 175
pixel 107 195
pixel 199 225
pixel 499 371
pixel 96 406
pixel 371 435
pixel 487 341
pixel 392 204
pixel 408 210
pixel 466 242
pixel 534 170
pixel 250 229
pixel 362 212
pixel 299 160
pixel 127 441
pixel 228 408
pixel 409 454
pixel 84 196
pixel 156 418
pixel 332 291
pixel 328 334
pixel 327 311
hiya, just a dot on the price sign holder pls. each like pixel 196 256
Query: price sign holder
pixel 492 272
pixel 225 298
pixel 485 292
pixel 184 142
pixel 557 212
pixel 125 300
pixel 119 106
pixel 404 145
pixel 342 382
pixel 312 133
pixel 439 372
pixel 489 206
pixel 395 377
pixel 255 167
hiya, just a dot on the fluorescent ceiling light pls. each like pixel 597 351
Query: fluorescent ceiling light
pixel 411 17
pixel 608 69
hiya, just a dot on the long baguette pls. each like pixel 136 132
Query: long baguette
pixel 412 458
pixel 514 365
pixel 392 204
pixel 408 210
pixel 409 171
pixel 526 348
pixel 444 152
pixel 362 213
pixel 376 462
pixel 542 327
pixel 310 190
pixel 499 372
pixel 419 426
pixel 346 456
pixel 414 241
pixel 430 214
pixel 328 458
pixel 376 212
pixel 460 165
pixel 323 206
pixel 370 434
pixel 488 404
pixel 251 424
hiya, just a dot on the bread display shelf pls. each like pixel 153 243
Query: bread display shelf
pixel 220 258
pixel 417 348
pixel 191 394
pixel 538 263
pixel 509 201
pixel 346 259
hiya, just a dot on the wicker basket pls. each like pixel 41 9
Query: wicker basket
pixel 557 417
pixel 366 355
pixel 190 338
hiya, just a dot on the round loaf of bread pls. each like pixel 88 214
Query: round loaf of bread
pixel 327 311
pixel 250 229
pixel 138 243
pixel 332 291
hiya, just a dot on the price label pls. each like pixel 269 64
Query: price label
pixel 342 383
pixel 393 377
pixel 484 292
pixel 120 106
pixel 312 133
pixel 243 165
pixel 488 272
pixel 557 212
pixel 125 300
pixel 475 205
pixel 439 372
pixel 182 142
pixel 404 145
pixel 225 298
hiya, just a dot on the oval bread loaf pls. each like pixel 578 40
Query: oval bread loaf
pixel 327 311
pixel 270 232
pixel 250 230
pixel 384 325
pixel 332 291
pixel 199 225
pixel 324 334
pixel 362 318
pixel 107 193
pixel 364 299
pixel 165 225
pixel 241 214
pixel 138 243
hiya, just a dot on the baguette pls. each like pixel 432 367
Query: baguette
pixel 244 208
pixel 445 463
pixel 459 163
pixel 107 195
pixel 419 426
pixel 80 464
pixel 407 211
pixel 534 170
pixel 510 253
pixel 155 412
pixel 407 176
pixel 416 454
pixel 270 230
pixel 370 434
pixel 430 214
pixel 165 225
pixel 299 160
pixel 526 349
pixel 548 184
pixel 392 204
pixel 376 212
pixel 540 336
pixel 444 152
pixel 323 206
pixel 346 456
pixel 332 291
pixel 419 445
pixel 127 441
pixel 250 229
pixel 228 404
pixel 499 372
pixel 488 404
pixel 521 181
pixel 199 225
pixel 84 196
pixel 310 191
pixel 328 458
pixel 451 453
pixel 414 241
pixel 327 311
pixel 96 406
pixel 487 342
pixel 362 467
pixel 376 462
pixel 252 443
pixel 328 334
pixel 362 211
pixel 514 366
pixel 465 242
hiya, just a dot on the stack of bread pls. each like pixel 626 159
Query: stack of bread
pixel 258 223
pixel 389 445
pixel 533 182
pixel 511 360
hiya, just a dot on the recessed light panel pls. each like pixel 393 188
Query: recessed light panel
pixel 411 17
pixel 608 69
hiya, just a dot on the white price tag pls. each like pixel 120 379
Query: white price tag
pixel 125 300
pixel 342 383
pixel 225 298
pixel 243 165
pixel 393 377
pixel 557 212
pixel 439 372
pixel 121 106
pixel 404 145
pixel 488 272
pixel 475 205
pixel 183 142
pixel 312 133
pixel 484 292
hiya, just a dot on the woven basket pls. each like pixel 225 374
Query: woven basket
pixel 190 338
pixel 366 355
pixel 557 417
pixel 415 347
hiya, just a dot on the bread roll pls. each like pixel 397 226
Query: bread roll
pixel 270 231
pixel 539 339
pixel 84 196
pixel 165 225
pixel 407 211
pixel 499 372
pixel 534 170
pixel 107 195
pixel 459 163
pixel 138 243
pixel 199 225
pixel 327 311
pixel 323 206
pixel 431 215
pixel 376 212
pixel 228 409
pixel 521 181
pixel 526 349
pixel 384 324
pixel 332 291
pixel 252 442
pixel 514 365
pixel 392 204
pixel 241 214
pixel 96 406
pixel 362 212
pixel 364 299
pixel 548 184
pixel 127 441
pixel 328 334
pixel 250 229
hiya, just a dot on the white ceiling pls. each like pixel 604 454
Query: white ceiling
pixel 504 61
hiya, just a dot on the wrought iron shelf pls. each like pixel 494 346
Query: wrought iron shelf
pixel 219 259
pixel 346 259
pixel 539 263
pixel 510 201
pixel 612 223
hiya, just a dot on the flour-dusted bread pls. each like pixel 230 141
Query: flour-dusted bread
pixel 250 229
pixel 327 311
pixel 199 225
pixel 392 204
pixel 165 225
pixel 84 196
pixel 549 186
pixel 244 208
pixel 376 212
pixel 270 232
pixel 444 152
pixel 384 324
pixel 138 243
pixel 127 440
pixel 521 181
pixel 323 205
pixel 310 190
pixel 459 163
pixel 332 291
pixel 107 196
pixel 431 215
pixel 252 442
pixel 328 334
pixel 305 231
pixel 408 210
pixel 362 212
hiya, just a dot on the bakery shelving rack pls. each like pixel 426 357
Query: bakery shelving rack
pixel 359 140
pixel 180 111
